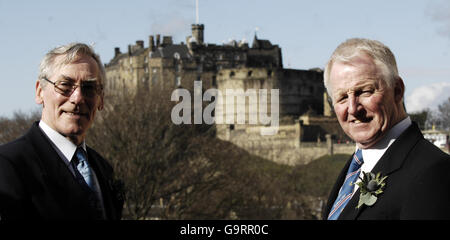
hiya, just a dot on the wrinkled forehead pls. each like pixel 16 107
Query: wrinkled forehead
pixel 357 73
pixel 362 65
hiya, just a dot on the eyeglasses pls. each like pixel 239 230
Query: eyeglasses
pixel 89 89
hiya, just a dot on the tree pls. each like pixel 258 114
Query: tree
pixel 17 125
pixel 183 171
pixel 420 118
pixel 444 114
pixel 440 118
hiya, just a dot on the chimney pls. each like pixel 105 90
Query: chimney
pixel 167 40
pixel 197 33
pixel 129 49
pixel 140 43
pixel 116 52
pixel 158 38
pixel 151 44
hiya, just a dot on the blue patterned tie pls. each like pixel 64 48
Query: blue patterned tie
pixel 346 192
pixel 85 171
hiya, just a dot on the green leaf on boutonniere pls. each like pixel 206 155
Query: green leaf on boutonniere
pixel 371 186
pixel 367 199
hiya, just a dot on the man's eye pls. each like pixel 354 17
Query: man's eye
pixel 367 92
pixel 89 86
pixel 65 85
pixel 341 99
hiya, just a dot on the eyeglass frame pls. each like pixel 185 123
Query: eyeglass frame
pixel 98 89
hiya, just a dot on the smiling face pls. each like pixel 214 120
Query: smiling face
pixel 365 106
pixel 72 115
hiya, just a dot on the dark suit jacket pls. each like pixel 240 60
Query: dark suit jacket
pixel 35 183
pixel 417 187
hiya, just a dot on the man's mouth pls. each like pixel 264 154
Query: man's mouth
pixel 357 121
pixel 75 113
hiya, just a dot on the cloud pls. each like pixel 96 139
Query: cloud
pixel 429 96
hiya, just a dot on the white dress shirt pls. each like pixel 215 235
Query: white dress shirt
pixel 372 155
pixel 66 149
pixel 65 146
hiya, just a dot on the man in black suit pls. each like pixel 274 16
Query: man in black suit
pixel 362 80
pixel 50 173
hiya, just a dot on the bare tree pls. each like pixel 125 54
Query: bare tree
pixel 444 114
pixel 17 125
pixel 183 171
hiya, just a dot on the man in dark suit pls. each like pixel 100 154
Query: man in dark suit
pixel 362 80
pixel 50 173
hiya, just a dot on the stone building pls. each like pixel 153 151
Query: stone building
pixel 236 66
pixel 165 64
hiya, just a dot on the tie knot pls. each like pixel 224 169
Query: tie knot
pixel 358 158
pixel 81 154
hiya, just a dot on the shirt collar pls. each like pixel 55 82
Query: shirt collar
pixel 63 144
pixel 373 154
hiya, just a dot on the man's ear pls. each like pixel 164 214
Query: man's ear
pixel 39 98
pixel 399 89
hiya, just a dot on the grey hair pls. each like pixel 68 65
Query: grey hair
pixel 382 56
pixel 71 52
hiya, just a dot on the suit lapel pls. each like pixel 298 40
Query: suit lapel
pixel 68 193
pixel 391 161
pixel 54 168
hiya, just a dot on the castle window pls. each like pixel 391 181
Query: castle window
pixel 177 81
pixel 214 81
pixel 232 74
pixel 155 75
pixel 269 73
pixel 249 74
pixel 154 79
pixel 177 67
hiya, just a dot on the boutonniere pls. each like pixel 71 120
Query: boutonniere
pixel 371 186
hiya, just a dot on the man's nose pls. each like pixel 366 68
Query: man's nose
pixel 77 95
pixel 353 103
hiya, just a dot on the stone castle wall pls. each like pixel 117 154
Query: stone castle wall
pixel 285 147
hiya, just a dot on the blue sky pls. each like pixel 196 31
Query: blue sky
pixel 418 32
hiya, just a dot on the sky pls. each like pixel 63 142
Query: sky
pixel 308 31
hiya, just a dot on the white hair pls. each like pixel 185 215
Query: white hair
pixel 381 55
pixel 71 53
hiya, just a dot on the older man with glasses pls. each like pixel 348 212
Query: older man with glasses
pixel 50 173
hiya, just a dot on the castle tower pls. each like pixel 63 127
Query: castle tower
pixel 197 33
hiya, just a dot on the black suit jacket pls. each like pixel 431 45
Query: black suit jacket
pixel 35 183
pixel 417 187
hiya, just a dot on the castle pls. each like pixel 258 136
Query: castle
pixel 307 123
